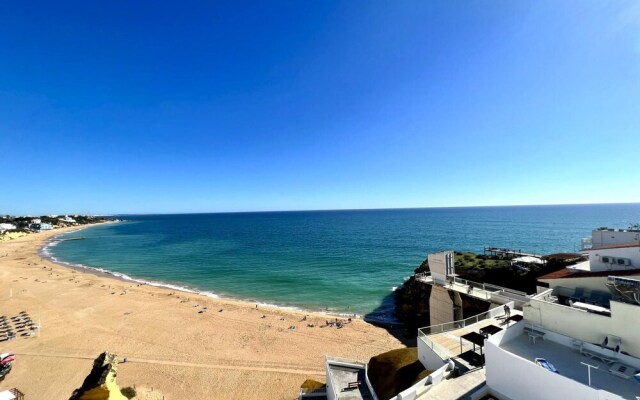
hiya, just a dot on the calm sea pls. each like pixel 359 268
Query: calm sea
pixel 346 261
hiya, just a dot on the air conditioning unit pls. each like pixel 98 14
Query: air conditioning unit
pixel 621 370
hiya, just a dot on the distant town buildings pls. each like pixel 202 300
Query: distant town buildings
pixel 12 227
pixel 7 227
pixel 39 227
pixel 68 219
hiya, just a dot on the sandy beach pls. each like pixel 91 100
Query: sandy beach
pixel 172 349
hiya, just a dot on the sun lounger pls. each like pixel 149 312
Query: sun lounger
pixel 546 365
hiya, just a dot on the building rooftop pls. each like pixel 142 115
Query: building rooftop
pixel 349 381
pixel 617 246
pixel 568 363
pixel 577 273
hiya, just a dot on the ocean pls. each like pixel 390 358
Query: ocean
pixel 340 261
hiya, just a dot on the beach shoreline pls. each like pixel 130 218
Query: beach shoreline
pixel 175 287
pixel 169 337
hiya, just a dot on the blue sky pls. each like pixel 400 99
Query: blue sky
pixel 145 107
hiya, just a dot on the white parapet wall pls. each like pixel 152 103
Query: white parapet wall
pixel 589 327
pixel 429 356
pixel 513 377
pixel 441 306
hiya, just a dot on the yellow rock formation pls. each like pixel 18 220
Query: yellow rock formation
pixel 100 384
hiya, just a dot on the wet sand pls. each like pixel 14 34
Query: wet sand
pixel 174 346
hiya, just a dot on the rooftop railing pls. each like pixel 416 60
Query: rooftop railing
pixel 442 352
pixel 487 287
pixel 450 326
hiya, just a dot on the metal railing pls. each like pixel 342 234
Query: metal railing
pixel 487 287
pixel 442 352
pixel 422 276
pixel 450 326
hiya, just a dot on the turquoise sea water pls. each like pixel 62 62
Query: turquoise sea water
pixel 346 261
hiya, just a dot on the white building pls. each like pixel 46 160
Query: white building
pixel 7 227
pixel 67 219
pixel 578 339
pixel 596 353
pixel 615 257
pixel 619 259
pixel 585 326
pixel 607 237
pixel 40 227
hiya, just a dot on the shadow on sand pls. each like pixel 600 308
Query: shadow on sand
pixel 384 317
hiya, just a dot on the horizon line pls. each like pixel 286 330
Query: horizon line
pixel 326 209
pixel 370 209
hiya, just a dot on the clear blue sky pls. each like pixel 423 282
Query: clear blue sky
pixel 145 107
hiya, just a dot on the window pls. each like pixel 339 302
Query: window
pixel 621 261
pixel 606 259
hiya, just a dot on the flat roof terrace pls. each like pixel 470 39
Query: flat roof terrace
pixel 349 381
pixel 567 362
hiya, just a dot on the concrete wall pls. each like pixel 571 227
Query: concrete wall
pixel 429 358
pixel 331 395
pixel 441 265
pixel 589 327
pixel 516 378
pixel 607 238
pixel 631 253
pixel 593 283
pixel 440 306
